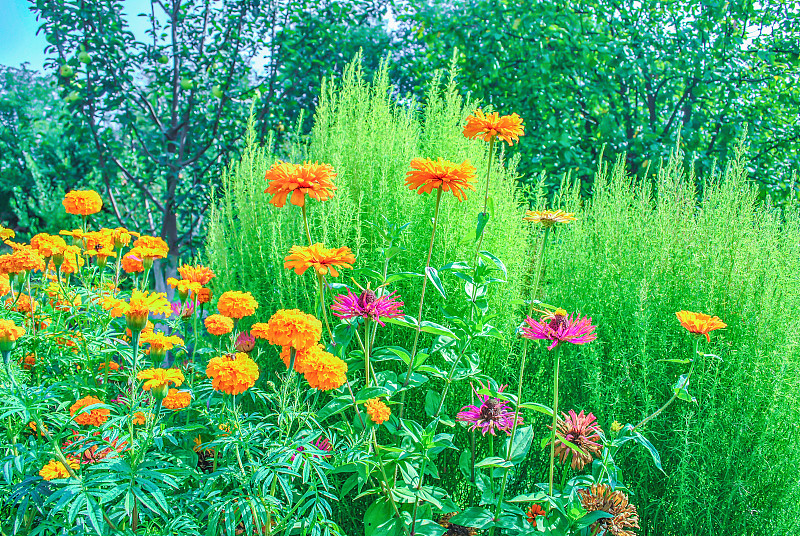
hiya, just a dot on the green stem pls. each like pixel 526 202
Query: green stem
pixel 422 296
pixel 305 222
pixel 557 360
pixel 385 486
pixel 675 393
pixel 322 307
pixel 486 196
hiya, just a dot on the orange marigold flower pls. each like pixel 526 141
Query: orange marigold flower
pixel 48 245
pixel 95 417
pixel 160 342
pixel 196 274
pixel 139 418
pixel 177 399
pixel 121 236
pixel 55 470
pixel 76 234
pixel 426 175
pixel 141 304
pixel 28 361
pixel 301 358
pixel 132 262
pixel 23 259
pixel 112 366
pixel 71 262
pixel 378 411
pixel 5 284
pixel 6 233
pixel 82 202
pixel 23 304
pixel 290 327
pixel 218 324
pixel 548 218
pixel 151 247
pixel 314 180
pixel 232 374
pixel 158 378
pixel 9 331
pixel 204 296
pixel 324 371
pixel 508 127
pixel 322 259
pixel 185 288
pixel 700 323
pixel 235 304
pixel 32 425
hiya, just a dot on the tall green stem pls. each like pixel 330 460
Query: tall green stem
pixel 305 223
pixel 486 196
pixel 556 366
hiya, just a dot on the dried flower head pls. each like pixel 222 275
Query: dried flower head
pixel 245 342
pixel 601 497
pixel 82 202
pixel 235 304
pixel 377 410
pixel 487 126
pixel 548 218
pixel 317 256
pixel 583 432
pixel 699 323
pixel 298 181
pixel 427 175
pixel 95 417
pixel 493 414
pixel 367 305
pixel 558 327
pixel 232 374
pixel 453 529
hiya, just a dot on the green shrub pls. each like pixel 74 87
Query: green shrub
pixel 639 252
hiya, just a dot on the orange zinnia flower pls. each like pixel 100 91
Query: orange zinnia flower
pixel 218 324
pixel 548 218
pixel 232 374
pixel 82 202
pixel 700 323
pixel 377 410
pixel 508 127
pixel 322 259
pixel 290 327
pixel 314 180
pixel 95 417
pixel 235 304
pixel 450 177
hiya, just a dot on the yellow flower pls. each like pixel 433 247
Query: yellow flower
pixel 548 218
pixel 159 378
pixel 324 371
pixel 160 343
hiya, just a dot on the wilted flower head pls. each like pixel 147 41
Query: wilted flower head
pixel 298 181
pixel 487 126
pixel 601 497
pixel 583 432
pixel 493 414
pixel 558 327
pixel 367 305
pixel 245 342
pixel 427 175
pixel 453 529
pixel 700 323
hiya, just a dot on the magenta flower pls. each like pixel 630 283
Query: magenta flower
pixel 558 327
pixel 493 414
pixel 322 444
pixel 184 311
pixel 245 342
pixel 367 306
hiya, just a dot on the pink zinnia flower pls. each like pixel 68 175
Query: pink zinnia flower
pixel 245 342
pixel 558 327
pixel 367 306
pixel 493 414
pixel 321 443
